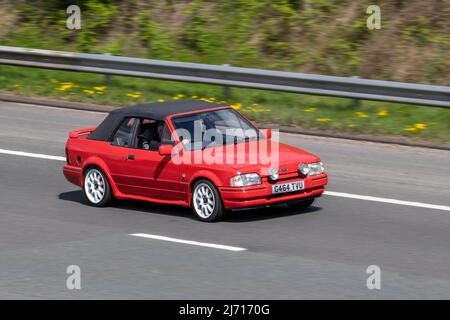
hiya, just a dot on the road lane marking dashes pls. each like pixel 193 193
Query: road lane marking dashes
pixel 194 243
pixel 328 193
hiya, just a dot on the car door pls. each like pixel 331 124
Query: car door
pixel 152 175
pixel 117 152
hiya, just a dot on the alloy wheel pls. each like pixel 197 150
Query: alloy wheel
pixel 204 200
pixel 94 186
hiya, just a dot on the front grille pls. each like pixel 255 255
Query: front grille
pixel 285 177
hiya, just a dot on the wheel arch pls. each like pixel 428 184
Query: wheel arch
pixel 96 162
pixel 203 175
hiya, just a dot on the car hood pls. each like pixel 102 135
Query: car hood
pixel 247 157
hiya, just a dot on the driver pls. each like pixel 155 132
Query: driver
pixel 157 138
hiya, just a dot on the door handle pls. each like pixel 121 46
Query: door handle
pixel 130 157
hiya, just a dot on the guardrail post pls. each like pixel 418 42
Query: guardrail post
pixel 226 89
pixel 356 102
pixel 108 77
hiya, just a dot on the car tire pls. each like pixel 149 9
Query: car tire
pixel 206 202
pixel 302 204
pixel 96 188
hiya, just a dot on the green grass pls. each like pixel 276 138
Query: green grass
pixel 306 111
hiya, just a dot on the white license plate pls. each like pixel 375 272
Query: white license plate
pixel 288 187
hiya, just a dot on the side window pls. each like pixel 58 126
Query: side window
pixel 152 133
pixel 167 136
pixel 124 134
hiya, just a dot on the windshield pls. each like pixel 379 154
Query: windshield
pixel 213 128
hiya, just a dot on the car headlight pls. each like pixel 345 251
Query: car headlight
pixel 311 169
pixel 244 180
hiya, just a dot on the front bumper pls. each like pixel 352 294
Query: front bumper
pixel 261 195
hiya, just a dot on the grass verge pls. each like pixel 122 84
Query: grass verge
pixel 299 110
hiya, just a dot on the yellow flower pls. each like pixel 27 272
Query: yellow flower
pixel 176 98
pixel 66 86
pixel 383 113
pixel 411 129
pixel 420 126
pixel 361 114
pixel 194 97
pixel 100 88
pixel 89 91
pixel 254 108
pixel 310 109
pixel 351 125
pixel 212 99
pixel 135 94
pixel 236 106
pixel 161 100
pixel 324 119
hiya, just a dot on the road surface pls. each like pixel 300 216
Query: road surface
pixel 322 253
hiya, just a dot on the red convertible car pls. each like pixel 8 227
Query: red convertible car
pixel 196 154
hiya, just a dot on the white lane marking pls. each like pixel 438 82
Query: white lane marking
pixel 195 243
pixel 330 193
pixel 387 200
pixel 32 155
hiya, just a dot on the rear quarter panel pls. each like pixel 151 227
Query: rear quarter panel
pixel 82 153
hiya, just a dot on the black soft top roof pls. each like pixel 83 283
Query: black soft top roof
pixel 156 111
pixel 160 110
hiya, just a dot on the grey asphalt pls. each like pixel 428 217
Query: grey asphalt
pixel 321 253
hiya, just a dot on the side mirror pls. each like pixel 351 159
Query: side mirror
pixel 267 132
pixel 165 150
